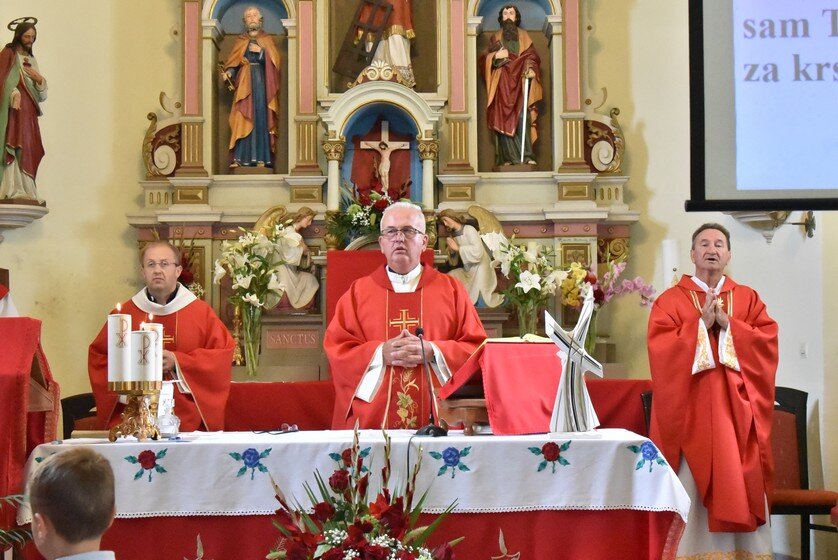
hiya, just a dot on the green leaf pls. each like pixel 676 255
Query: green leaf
pixel 535 450
pixel 13 537
pixel 564 446
pixel 564 462
pixel 335 457
pixel 162 453
pixel 365 452
pixel 639 465
pixel 160 469
pixel 139 474
pixel 261 467
pixel 465 451
pixel 236 456
pixel 463 467
pixel 442 470
pixel 265 453
pixel 634 448
pixel 541 466
pixel 241 471
pixel 435 454
pixel 660 461
pixel 131 459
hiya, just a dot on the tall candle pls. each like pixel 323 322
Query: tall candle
pixel 119 346
pixel 157 329
pixel 142 356
pixel 670 253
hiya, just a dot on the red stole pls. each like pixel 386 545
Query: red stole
pixel 406 391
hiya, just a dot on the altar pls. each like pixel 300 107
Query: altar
pixel 513 494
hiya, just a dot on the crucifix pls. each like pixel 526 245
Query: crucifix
pixel 384 148
pixel 404 321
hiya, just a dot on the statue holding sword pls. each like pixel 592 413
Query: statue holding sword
pixel 511 70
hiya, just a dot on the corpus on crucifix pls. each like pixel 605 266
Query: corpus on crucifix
pixel 384 148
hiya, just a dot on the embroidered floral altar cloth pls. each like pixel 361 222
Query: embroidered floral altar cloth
pixel 226 474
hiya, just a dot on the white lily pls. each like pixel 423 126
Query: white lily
pixel 252 300
pixel 218 273
pixel 243 282
pixel 529 281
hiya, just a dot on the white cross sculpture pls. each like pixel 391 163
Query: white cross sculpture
pixel 384 148
pixel 573 410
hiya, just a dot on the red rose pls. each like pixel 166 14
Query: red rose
pixel 323 511
pixel 147 459
pixel 333 554
pixel 363 484
pixel 381 204
pixel 346 456
pixel 550 451
pixel 599 295
pixel 590 278
pixel 376 552
pixel 339 481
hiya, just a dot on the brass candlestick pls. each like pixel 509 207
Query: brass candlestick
pixel 138 419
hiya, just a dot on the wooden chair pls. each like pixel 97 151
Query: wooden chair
pixel 792 495
pixel 76 407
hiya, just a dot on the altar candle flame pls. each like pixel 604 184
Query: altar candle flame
pixel 118 307
pixel 151 317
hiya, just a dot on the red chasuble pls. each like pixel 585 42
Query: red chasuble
pixel 204 351
pixel 720 418
pixel 371 313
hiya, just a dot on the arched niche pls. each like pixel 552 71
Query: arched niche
pixel 534 14
pixel 401 126
pixel 227 15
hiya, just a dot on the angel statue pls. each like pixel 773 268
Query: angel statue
pixel 300 285
pixel 464 241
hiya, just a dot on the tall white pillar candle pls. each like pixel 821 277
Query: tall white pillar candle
pixel 670 257
pixel 119 346
pixel 157 329
pixel 142 356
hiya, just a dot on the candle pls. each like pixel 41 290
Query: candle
pixel 142 356
pixel 157 329
pixel 669 254
pixel 119 346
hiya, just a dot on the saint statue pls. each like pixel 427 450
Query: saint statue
pixel 22 90
pixel 513 82
pixel 394 47
pixel 252 72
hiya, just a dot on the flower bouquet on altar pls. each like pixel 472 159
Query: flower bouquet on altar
pixel 342 523
pixel 363 207
pixel 251 262
pixel 535 278
pixel 579 280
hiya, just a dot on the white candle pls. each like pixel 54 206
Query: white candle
pixel 142 356
pixel 157 329
pixel 670 257
pixel 119 346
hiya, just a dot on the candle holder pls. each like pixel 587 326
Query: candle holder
pixel 138 418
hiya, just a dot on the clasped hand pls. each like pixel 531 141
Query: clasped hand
pixel 405 350
pixel 712 312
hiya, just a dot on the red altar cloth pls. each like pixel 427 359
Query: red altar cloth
pixel 520 380
pixel 536 535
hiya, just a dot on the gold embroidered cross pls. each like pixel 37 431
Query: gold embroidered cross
pixel 403 321
pixel 168 339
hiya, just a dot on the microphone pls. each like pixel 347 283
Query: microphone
pixel 431 429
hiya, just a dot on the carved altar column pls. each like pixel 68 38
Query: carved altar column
pixel 192 122
pixel 573 119
pixel 553 32
pixel 334 150
pixel 302 100
pixel 459 76
pixel 428 152
pixel 475 27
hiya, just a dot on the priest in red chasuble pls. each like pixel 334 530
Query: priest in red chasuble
pixel 375 356
pixel 713 356
pixel 197 348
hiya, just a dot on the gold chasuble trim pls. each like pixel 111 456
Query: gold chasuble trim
pixel 408 396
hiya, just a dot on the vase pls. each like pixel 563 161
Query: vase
pixel 527 318
pixel 590 338
pixel 252 331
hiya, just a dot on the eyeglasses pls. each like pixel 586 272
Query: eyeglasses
pixel 407 231
pixel 162 264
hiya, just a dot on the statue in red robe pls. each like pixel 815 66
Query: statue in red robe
pixel 713 357
pixel 509 62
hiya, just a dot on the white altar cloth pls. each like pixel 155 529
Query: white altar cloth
pixel 220 473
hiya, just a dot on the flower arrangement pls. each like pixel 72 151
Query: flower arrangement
pixel 579 279
pixel 343 524
pixel 535 278
pixel 362 210
pixel 252 262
